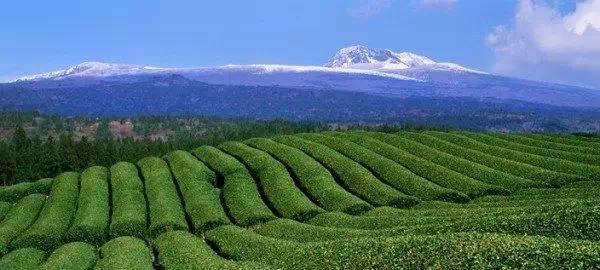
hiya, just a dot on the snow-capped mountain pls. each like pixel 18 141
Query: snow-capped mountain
pixel 99 70
pixel 91 69
pixel 358 60
pixel 384 60
pixel 356 69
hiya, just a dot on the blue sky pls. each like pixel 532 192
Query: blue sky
pixel 39 36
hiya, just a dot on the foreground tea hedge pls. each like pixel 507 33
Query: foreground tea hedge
pixel 356 178
pixel 241 196
pixel 15 192
pixel 200 198
pixel 91 219
pixel 334 200
pixel 394 174
pixel 125 253
pixel 313 177
pixel 436 140
pixel 455 163
pixel 75 255
pixel 165 210
pixel 18 219
pixel 275 181
pixel 128 201
pixel 24 258
pixel 448 251
pixel 51 225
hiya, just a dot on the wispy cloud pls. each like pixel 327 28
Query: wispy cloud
pixel 437 4
pixel 364 9
pixel 544 44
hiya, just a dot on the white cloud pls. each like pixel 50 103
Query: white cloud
pixel 545 44
pixel 437 4
pixel 364 9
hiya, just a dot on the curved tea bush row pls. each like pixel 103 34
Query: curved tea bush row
pixel 584 138
pixel 19 218
pixel 458 164
pixel 16 192
pixel 386 162
pixel 182 250
pixel 201 199
pixel 240 193
pixel 74 255
pixel 588 192
pixel 503 140
pixel 55 217
pixel 510 166
pixel 4 209
pixel 521 139
pixel 352 175
pixel 382 218
pixel 451 180
pixel 579 222
pixel 128 201
pixel 23 259
pixel 278 186
pixel 91 219
pixel 372 222
pixel 567 140
pixel 391 219
pixel 487 143
pixel 126 253
pixel 294 231
pixel 453 251
pixel 435 173
pixel 315 178
pixel 290 230
pixel 593 140
pixel 164 205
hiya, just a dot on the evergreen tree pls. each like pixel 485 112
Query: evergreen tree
pixel 8 166
pixel 50 159
pixel 103 131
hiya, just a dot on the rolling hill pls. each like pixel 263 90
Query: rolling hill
pixel 332 200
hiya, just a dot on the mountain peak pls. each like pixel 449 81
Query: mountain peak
pixel 358 55
pixel 363 57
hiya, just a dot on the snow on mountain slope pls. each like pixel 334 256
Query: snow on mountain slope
pixel 352 69
pixel 98 69
pixel 358 60
pixel 364 58
pixel 301 69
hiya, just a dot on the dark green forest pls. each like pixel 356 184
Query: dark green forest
pixel 33 146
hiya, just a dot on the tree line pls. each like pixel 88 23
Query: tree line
pixel 26 157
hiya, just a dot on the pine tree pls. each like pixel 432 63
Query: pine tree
pixel 8 166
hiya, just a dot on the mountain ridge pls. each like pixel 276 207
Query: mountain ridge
pixel 352 74
pixel 352 59
pixel 362 57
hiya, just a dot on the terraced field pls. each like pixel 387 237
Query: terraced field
pixel 351 200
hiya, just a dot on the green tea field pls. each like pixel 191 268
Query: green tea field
pixel 332 200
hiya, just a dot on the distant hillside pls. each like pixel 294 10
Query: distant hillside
pixel 176 95
pixel 357 85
